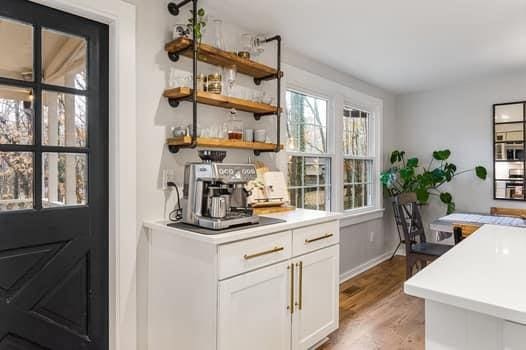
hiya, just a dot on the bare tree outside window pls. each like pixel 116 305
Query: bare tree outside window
pixel 309 174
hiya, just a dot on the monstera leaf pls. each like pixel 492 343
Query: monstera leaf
pixel 409 176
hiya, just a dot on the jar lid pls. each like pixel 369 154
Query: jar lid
pixel 215 76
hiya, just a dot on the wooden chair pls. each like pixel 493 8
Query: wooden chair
pixel 513 212
pixel 461 231
pixel 418 251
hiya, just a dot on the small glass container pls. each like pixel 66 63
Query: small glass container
pixel 234 126
pixel 215 83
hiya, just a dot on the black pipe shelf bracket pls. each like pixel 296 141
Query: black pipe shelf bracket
pixel 174 9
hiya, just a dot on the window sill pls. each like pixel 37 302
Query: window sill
pixel 350 218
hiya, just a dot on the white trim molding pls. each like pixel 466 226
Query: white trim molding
pixel 347 275
pixel 120 17
pixel 351 218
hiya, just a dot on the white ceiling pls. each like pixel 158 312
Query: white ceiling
pixel 400 45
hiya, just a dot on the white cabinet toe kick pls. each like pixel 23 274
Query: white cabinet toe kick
pixel 278 291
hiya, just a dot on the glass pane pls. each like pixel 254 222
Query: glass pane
pixel 296 197
pixel 16 115
pixel 16 41
pixel 306 123
pixel 317 171
pixel 64 120
pixel 359 194
pixel 509 170
pixel 312 196
pixel 509 133
pixel 509 189
pixel 509 113
pixel 357 171
pixel 295 171
pixel 355 132
pixel 63 59
pixel 64 179
pixel 16 181
pixel 347 197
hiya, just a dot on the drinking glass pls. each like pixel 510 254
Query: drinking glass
pixel 230 76
pixel 219 40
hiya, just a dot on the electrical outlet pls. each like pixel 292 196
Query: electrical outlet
pixel 169 175
pixel 371 237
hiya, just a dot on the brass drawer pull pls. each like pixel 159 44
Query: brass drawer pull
pixel 270 251
pixel 328 235
pixel 300 306
pixel 292 288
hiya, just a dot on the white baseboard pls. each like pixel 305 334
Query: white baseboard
pixel 365 266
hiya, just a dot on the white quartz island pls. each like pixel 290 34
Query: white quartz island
pixel 259 288
pixel 475 294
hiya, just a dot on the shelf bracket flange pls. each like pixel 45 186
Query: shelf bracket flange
pixel 173 7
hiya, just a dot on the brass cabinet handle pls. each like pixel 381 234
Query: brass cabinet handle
pixel 291 288
pixel 325 236
pixel 270 251
pixel 301 286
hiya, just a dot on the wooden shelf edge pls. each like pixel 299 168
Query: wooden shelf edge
pixel 221 100
pixel 222 143
pixel 218 57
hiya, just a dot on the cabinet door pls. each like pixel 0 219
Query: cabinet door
pixel 514 336
pixel 316 308
pixel 254 310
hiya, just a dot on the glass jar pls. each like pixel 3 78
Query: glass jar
pixel 234 126
pixel 214 83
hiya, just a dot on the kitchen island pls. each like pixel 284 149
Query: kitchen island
pixel 475 294
pixel 268 287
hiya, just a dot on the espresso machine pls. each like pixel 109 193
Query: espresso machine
pixel 214 195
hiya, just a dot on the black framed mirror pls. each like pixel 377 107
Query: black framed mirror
pixel 509 131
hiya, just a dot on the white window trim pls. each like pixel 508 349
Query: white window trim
pixel 340 96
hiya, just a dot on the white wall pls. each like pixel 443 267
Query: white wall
pixel 459 118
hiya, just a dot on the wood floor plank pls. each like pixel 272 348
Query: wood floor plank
pixel 375 314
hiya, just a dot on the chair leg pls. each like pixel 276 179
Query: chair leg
pixel 409 268
pixel 396 249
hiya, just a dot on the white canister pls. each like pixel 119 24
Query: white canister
pixel 260 135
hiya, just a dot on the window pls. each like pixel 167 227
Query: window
pixel 309 164
pixel 358 167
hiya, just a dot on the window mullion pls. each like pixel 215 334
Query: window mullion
pixel 37 118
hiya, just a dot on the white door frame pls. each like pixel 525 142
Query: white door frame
pixel 120 16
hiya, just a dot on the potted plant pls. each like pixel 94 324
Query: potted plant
pixel 407 175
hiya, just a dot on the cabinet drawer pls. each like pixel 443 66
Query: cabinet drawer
pixel 236 258
pixel 307 239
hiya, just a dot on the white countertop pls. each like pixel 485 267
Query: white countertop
pixel 485 273
pixel 293 219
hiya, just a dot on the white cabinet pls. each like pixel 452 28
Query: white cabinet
pixel 254 310
pixel 514 336
pixel 316 313
pixel 276 291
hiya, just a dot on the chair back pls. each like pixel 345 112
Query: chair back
pixel 407 216
pixel 513 212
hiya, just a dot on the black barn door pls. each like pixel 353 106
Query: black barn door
pixel 53 179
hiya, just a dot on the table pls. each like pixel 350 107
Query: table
pixel 445 223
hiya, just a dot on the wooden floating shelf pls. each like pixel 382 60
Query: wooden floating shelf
pixel 222 143
pixel 222 58
pixel 210 99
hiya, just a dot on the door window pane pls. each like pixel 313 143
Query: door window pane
pixel 64 120
pixel 64 179
pixel 16 115
pixel 64 59
pixel 16 181
pixel 16 39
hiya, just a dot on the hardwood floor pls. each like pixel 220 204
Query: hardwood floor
pixel 376 314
